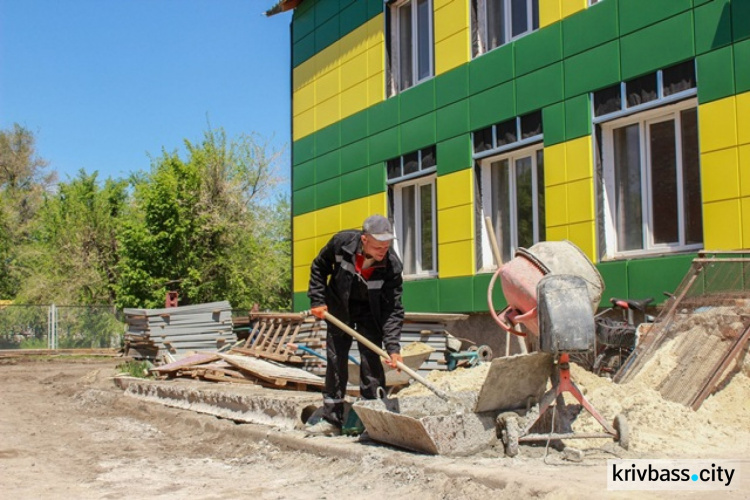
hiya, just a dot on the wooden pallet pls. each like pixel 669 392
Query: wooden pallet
pixel 271 334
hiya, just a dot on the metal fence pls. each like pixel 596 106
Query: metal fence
pixel 59 327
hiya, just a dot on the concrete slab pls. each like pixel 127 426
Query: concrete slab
pixel 284 410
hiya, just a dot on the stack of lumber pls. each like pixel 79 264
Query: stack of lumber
pixel 178 330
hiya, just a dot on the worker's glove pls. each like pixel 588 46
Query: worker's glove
pixel 395 358
pixel 319 312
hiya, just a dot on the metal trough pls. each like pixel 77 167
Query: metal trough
pixel 427 424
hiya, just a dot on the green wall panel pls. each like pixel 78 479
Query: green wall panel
pixel 592 70
pixel 326 34
pixel 417 100
pixel 374 7
pixel 417 133
pixel 303 149
pixel 577 117
pixel 354 127
pixel 740 19
pixel 328 166
pixel 453 120
pixel 491 68
pixel 538 49
pixel 553 123
pixel 303 201
pixel 383 115
pixel 590 27
pixel 636 14
pixel 491 106
pixel 303 175
pixel 715 75
pixel 742 66
pixel 481 284
pixel 303 50
pixel 354 156
pixel 384 145
pixel 300 301
pixel 355 185
pixel 713 26
pixel 456 294
pixel 454 154
pixel 615 276
pixel 376 175
pixel 328 139
pixel 670 272
pixel 657 46
pixel 452 86
pixel 328 193
pixel 303 23
pixel 352 16
pixel 421 296
pixel 539 89
pixel 325 10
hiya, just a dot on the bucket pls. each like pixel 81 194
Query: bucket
pixel 520 276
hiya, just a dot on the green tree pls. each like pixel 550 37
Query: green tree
pixel 207 226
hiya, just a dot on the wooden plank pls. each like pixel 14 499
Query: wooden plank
pixel 272 372
pixel 195 359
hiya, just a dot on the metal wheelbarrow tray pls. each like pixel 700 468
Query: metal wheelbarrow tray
pixel 428 424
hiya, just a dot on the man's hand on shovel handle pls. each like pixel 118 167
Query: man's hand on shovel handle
pixel 395 358
pixel 319 312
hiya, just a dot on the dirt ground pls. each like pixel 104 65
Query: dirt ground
pixel 68 432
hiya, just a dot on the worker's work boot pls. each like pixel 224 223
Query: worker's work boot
pixel 323 428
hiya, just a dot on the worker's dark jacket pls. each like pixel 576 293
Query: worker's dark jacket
pixel 384 288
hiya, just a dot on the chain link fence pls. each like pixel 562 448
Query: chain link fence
pixel 59 327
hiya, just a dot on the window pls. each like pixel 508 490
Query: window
pixel 411 180
pixel 513 197
pixel 512 133
pixel 410 47
pixel 497 22
pixel 651 174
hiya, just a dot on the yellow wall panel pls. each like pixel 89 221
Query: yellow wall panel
pixel 304 74
pixel 744 156
pixel 549 12
pixel 301 278
pixel 304 226
pixel 376 59
pixel 303 124
pixel 452 52
pixel 557 233
pixel 556 205
pixel 722 225
pixel 376 88
pixel 439 4
pixel 303 99
pixel 354 99
pixel 580 201
pixel 328 85
pixel 379 204
pixel 328 220
pixel 584 236
pixel 456 259
pixel 569 7
pixel 579 162
pixel 327 59
pixel 745 204
pixel 354 71
pixel 304 251
pixel 375 30
pixel 743 118
pixel 354 213
pixel 353 44
pixel 720 175
pixel 327 112
pixel 554 165
pixel 451 18
pixel 455 224
pixel 322 240
pixel 717 122
pixel 455 189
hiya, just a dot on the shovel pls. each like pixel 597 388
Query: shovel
pixel 377 350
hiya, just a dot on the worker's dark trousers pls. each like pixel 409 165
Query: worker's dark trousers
pixel 371 372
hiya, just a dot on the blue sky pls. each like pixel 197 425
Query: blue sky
pixel 103 84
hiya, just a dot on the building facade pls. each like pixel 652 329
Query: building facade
pixel 620 125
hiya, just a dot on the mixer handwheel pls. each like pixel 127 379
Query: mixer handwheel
pixel 510 431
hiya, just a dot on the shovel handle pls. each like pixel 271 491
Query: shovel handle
pixel 379 351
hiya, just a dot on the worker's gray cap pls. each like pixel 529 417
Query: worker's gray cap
pixel 378 227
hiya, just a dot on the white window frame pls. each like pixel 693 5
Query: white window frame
pixel 395 83
pixel 507 23
pixel 488 262
pixel 644 119
pixel 398 218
